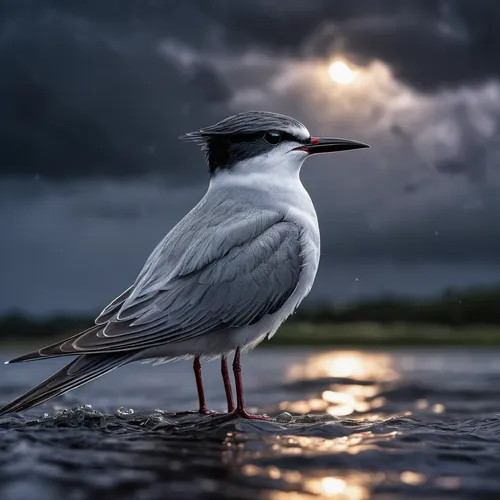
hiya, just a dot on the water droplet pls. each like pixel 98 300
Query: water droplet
pixel 123 412
pixel 284 417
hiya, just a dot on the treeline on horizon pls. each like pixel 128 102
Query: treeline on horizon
pixel 454 308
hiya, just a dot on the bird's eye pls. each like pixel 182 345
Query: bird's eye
pixel 272 137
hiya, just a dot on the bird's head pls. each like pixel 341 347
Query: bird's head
pixel 262 140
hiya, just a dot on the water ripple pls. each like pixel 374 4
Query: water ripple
pixel 373 425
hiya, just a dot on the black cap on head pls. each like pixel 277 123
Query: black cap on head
pixel 244 136
pixel 252 133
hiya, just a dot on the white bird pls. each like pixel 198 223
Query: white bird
pixel 225 277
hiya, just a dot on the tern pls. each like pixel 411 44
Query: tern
pixel 225 277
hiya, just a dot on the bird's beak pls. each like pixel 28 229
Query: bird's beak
pixel 330 145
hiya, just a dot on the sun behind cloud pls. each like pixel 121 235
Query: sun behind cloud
pixel 340 72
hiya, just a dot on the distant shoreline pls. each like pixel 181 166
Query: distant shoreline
pixel 356 334
pixel 469 317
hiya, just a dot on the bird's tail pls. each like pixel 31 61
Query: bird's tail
pixel 80 371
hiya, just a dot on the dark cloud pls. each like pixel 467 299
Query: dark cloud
pixel 451 235
pixel 84 99
pixel 475 149
pixel 86 91
pixel 95 94
pixel 433 44
pixel 429 44
pixel 73 248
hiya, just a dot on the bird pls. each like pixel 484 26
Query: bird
pixel 225 277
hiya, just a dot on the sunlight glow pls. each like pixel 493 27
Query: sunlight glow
pixel 412 478
pixel 338 488
pixel 340 72
pixel 333 485
pixel 302 485
pixel 356 396
pixel 357 365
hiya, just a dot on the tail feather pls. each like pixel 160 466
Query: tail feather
pixel 52 350
pixel 80 371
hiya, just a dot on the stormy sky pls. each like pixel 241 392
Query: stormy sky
pixel 93 97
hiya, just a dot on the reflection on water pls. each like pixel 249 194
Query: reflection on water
pixel 319 481
pixel 365 371
pixel 361 385
pixel 413 478
pixel 365 425
pixel 337 488
pixel 367 366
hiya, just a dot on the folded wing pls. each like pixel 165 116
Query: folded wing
pixel 199 279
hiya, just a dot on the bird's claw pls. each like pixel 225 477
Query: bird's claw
pixel 206 411
pixel 202 411
pixel 242 413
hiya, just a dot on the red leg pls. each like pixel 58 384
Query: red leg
pixel 199 385
pixel 240 403
pixel 227 384
pixel 201 393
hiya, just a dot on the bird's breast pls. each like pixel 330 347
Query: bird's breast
pixel 284 194
pixel 296 204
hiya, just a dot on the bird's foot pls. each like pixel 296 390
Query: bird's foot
pixel 242 413
pixel 203 410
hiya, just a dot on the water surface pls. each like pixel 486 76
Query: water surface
pixel 383 425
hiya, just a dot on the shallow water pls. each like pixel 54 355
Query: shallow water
pixel 383 425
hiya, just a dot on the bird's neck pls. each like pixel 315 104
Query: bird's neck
pixel 262 172
pixel 279 188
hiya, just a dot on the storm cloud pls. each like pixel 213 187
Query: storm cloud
pixel 83 99
pixel 87 91
pixel 95 94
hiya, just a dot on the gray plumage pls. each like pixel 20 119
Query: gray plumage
pixel 78 372
pixel 243 265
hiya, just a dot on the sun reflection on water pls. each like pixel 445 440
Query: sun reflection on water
pixel 358 365
pixel 344 384
pixel 360 375
pixel 337 488
pixel 343 458
pixel 353 486
pixel 337 485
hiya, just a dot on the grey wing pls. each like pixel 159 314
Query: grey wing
pixel 113 307
pixel 219 268
pixel 54 349
pixel 237 289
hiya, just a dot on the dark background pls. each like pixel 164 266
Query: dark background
pixel 94 94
